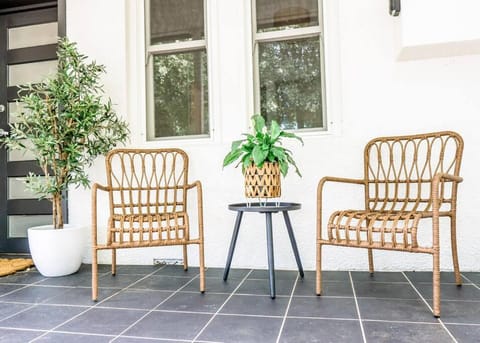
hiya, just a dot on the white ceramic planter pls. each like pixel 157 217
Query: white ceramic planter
pixel 56 252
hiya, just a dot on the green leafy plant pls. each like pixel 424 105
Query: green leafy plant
pixel 263 145
pixel 65 123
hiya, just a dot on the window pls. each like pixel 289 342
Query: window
pixel 177 82
pixel 288 66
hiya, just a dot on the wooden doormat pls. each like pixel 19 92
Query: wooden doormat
pixel 10 266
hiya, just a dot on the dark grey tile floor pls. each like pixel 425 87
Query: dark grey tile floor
pixel 162 304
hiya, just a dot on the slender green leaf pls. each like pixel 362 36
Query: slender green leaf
pixel 275 131
pixel 291 135
pixel 236 144
pixel 232 156
pixel 258 123
pixel 259 155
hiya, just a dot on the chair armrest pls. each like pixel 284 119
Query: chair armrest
pixel 197 184
pixel 438 177
pixel 321 183
pixel 340 179
pixel 96 187
pixel 194 184
pixel 326 179
pixel 434 188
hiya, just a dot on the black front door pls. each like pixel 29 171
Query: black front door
pixel 27 54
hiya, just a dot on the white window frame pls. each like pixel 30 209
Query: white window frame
pixel 289 34
pixel 169 48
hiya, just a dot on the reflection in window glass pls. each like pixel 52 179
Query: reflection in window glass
pixel 32 35
pixel 176 20
pixel 17 189
pixel 18 225
pixel 20 74
pixel 290 83
pixel 286 14
pixel 180 94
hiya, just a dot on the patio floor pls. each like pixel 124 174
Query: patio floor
pixel 162 304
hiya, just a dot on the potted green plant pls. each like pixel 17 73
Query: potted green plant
pixel 263 158
pixel 66 123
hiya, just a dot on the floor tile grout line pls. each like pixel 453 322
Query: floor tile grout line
pixel 357 307
pixel 464 324
pixel 155 308
pixel 249 315
pixel 324 318
pixel 32 305
pixel 80 333
pixel 286 310
pixel 401 321
pixel 16 313
pixel 155 339
pixel 466 278
pixel 19 289
pixel 92 307
pixel 221 307
pixel 21 329
pixel 428 305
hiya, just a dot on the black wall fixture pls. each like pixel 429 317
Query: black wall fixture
pixel 395 7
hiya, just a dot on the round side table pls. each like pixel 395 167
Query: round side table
pixel 267 208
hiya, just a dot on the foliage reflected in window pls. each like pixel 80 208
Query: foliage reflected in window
pixel 289 63
pixel 177 69
pixel 181 94
pixel 290 83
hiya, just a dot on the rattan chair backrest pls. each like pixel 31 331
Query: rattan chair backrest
pixel 399 171
pixel 147 181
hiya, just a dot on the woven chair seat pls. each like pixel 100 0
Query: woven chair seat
pixel 147 229
pixel 376 229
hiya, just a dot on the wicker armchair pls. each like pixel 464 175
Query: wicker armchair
pixel 407 180
pixel 147 191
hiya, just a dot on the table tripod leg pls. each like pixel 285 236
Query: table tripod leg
pixel 271 263
pixel 232 244
pixel 293 242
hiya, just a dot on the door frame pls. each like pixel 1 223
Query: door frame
pixel 14 10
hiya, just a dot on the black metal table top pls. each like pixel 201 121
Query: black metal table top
pixel 271 207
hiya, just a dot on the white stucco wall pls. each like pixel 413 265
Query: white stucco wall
pixel 370 93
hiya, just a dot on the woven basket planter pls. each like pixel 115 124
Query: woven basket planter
pixel 263 182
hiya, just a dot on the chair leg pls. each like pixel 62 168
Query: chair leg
pixel 185 257
pixel 370 261
pixel 114 262
pixel 94 275
pixel 436 283
pixel 319 270
pixel 453 237
pixel 202 267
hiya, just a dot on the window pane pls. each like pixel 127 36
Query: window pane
pixel 176 20
pixel 180 94
pixel 283 14
pixel 14 109
pixel 32 35
pixel 20 155
pixel 20 74
pixel 290 83
pixel 18 225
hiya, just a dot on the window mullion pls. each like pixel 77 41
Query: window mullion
pixel 177 47
pixel 272 36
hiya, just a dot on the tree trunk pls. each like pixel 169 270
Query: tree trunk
pixel 57 212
